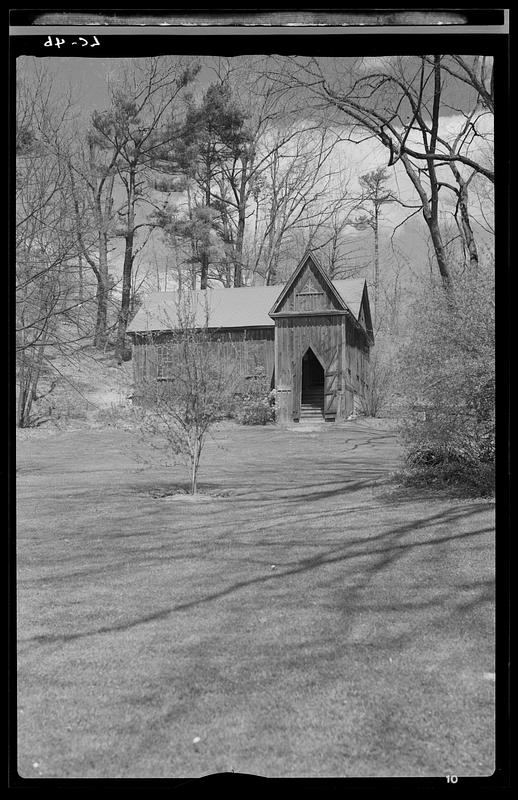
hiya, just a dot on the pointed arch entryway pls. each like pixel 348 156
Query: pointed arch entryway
pixel 312 386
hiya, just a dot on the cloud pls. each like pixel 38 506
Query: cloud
pixel 369 64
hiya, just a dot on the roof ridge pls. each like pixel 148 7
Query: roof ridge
pixel 232 288
pixel 247 309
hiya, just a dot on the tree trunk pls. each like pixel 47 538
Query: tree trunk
pixel 431 209
pixel 102 296
pixel 37 372
pixel 193 266
pixel 228 241
pixel 273 256
pixel 273 266
pixel 241 222
pixel 238 263
pixel 195 462
pixel 101 322
pixel 80 295
pixel 430 214
pixel 440 253
pixel 103 216
pixel 204 272
pixel 333 258
pixel 24 400
pixel 126 296
pixel 376 261
pixel 103 287
pixel 127 268
pixel 465 228
pixel 29 374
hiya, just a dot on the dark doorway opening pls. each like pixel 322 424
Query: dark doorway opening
pixel 312 399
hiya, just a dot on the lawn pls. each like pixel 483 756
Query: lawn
pixel 302 617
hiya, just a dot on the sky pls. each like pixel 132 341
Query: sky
pixel 88 79
pixel 88 76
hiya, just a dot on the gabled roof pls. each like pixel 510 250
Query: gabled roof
pixel 308 257
pixel 351 293
pixel 366 321
pixel 243 307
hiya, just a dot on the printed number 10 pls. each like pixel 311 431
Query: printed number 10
pixel 451 779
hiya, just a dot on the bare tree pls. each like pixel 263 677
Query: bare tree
pixel 92 170
pixel 195 389
pixel 46 245
pixel 251 178
pixel 295 194
pixel 376 195
pixel 401 104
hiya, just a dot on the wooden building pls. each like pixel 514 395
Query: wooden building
pixel 312 337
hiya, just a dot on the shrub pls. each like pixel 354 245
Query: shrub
pixel 116 415
pixel 448 367
pixel 430 455
pixel 379 380
pixel 255 404
pixel 58 403
pixel 468 478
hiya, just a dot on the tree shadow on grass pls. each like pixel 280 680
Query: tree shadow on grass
pixel 248 491
pixel 375 557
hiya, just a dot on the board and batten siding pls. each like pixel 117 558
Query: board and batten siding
pixel 294 335
pixel 310 315
pixel 245 352
pixel 342 351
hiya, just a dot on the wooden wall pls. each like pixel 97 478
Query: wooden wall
pixel 245 352
pixel 337 341
pixel 295 334
pixel 308 294
pixel 341 349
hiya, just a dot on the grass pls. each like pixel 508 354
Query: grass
pixel 301 618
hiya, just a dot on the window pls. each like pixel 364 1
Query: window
pixel 165 362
